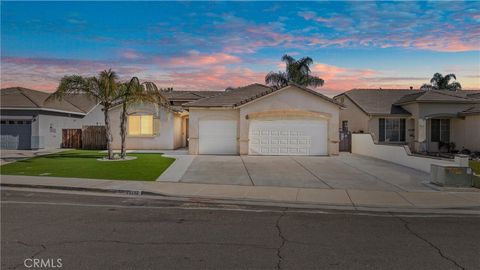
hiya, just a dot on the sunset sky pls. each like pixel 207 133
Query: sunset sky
pixel 214 45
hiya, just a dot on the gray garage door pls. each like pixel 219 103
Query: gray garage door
pixel 16 134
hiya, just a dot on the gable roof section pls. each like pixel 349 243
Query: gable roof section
pixel 436 96
pixel 243 95
pixel 379 101
pixel 23 98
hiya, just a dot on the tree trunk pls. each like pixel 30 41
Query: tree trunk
pixel 123 130
pixel 108 132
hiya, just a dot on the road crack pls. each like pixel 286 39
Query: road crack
pixel 282 238
pixel 440 252
pixel 43 248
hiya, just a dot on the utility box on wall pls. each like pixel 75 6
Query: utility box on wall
pixel 451 176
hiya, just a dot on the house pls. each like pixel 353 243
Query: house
pixel 150 127
pixel 31 121
pixel 427 121
pixel 261 120
pixel 255 120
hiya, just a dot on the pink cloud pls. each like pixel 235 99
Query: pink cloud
pixel 45 73
pixel 195 59
pixel 212 78
pixel 131 54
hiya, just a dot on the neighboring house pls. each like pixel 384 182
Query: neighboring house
pixel 30 121
pixel 428 121
pixel 152 127
pixel 261 120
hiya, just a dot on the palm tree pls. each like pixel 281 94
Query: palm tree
pixel 103 88
pixel 440 82
pixel 297 71
pixel 133 92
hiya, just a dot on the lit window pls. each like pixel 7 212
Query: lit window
pixel 140 125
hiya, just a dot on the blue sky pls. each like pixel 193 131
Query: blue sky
pixel 213 45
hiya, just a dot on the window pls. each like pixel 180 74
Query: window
pixel 440 130
pixel 140 125
pixel 391 130
pixel 345 126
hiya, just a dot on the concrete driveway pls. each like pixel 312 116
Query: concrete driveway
pixel 345 171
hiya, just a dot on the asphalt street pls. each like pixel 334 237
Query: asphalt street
pixel 135 232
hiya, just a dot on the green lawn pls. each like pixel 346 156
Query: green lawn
pixel 84 164
pixel 475 165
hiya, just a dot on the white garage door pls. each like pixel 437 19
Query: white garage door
pixel 218 137
pixel 288 137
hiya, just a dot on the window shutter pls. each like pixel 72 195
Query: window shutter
pixel 381 129
pixel 402 130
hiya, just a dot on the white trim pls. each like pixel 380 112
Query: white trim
pixel 16 117
pixel 40 109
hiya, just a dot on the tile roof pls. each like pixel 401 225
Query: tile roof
pixel 18 97
pixel 189 95
pixel 379 101
pixel 473 110
pixel 242 95
pixel 435 96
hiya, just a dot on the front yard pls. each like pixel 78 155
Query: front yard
pixel 84 164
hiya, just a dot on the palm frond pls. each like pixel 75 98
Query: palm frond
pixel 288 59
pixel 276 78
pixel 454 86
pixel 314 81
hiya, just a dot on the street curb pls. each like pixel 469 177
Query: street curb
pixel 259 202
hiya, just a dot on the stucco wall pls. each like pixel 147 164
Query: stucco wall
pixel 164 128
pixel 291 98
pixel 425 109
pixel 48 126
pixel 177 132
pixel 357 119
pixel 198 114
pixel 363 144
pixel 465 133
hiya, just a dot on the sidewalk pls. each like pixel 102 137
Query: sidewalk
pixel 299 197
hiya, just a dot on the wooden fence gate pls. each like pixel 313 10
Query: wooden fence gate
pixel 93 137
pixel 72 138
pixel 89 137
pixel 345 144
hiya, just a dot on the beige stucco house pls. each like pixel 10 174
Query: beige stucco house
pixel 255 120
pixel 261 120
pixel 427 121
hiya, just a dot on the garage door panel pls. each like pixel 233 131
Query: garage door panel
pixel 15 134
pixel 288 137
pixel 218 137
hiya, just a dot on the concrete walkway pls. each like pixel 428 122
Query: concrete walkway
pixel 296 197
